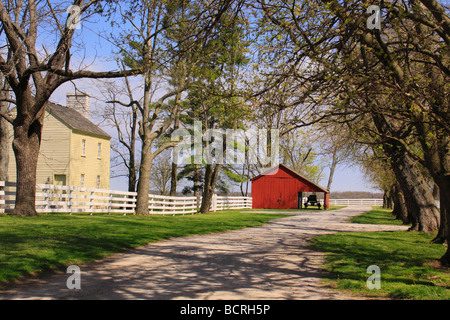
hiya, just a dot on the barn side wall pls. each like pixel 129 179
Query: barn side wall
pixel 278 191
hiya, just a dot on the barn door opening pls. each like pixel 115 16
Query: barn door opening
pixel 299 200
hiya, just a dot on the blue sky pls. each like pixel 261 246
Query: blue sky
pixel 349 179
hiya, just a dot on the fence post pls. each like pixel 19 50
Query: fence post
pixel 46 199
pixel 214 203
pixel 125 205
pixel 150 204
pixel 198 202
pixel 109 203
pixel 70 200
pixel 91 200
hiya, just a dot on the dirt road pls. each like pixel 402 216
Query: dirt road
pixel 272 261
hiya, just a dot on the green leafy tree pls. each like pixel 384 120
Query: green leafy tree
pixel 164 39
pixel 37 38
pixel 395 78
pixel 215 99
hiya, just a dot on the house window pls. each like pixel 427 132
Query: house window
pixel 82 181
pixel 98 182
pixel 99 151
pixel 83 147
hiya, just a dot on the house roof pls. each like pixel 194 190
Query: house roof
pixel 75 120
pixel 294 173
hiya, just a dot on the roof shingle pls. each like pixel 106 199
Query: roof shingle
pixel 75 120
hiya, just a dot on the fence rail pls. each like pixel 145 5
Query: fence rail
pixel 356 202
pixel 223 203
pixel 68 199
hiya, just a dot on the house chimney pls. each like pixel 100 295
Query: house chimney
pixel 80 102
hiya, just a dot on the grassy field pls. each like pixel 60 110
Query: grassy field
pixel 406 261
pixel 36 246
pixel 377 216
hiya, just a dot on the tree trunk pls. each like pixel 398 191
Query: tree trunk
pixel 418 196
pixel 26 144
pixel 132 179
pixel 436 149
pixel 196 180
pixel 209 185
pixel 388 200
pixel 332 169
pixel 4 144
pixel 437 160
pixel 207 193
pixel 442 235
pixel 174 173
pixel 143 187
pixel 419 199
pixel 173 178
pixel 196 189
pixel 444 232
pixel 444 189
pixel 445 259
pixel 132 174
pixel 435 192
pixel 400 210
pixel 4 132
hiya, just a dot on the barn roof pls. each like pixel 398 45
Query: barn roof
pixel 293 173
pixel 75 120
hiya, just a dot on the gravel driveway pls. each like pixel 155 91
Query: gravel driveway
pixel 267 262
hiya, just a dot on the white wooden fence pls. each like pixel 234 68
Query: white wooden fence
pixel 65 199
pixel 356 202
pixel 351 202
pixel 68 199
pixel 364 202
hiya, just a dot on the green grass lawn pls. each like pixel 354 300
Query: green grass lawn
pixel 406 261
pixel 36 246
pixel 377 216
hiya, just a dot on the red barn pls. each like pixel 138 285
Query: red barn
pixel 283 188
